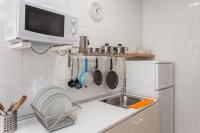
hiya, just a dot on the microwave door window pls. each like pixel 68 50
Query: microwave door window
pixel 44 22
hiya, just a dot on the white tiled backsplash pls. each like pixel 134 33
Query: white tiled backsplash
pixel 172 29
pixel 122 23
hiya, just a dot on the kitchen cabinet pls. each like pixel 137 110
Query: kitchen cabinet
pixel 147 121
pixel 124 127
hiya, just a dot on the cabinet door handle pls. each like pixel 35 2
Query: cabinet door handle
pixel 138 121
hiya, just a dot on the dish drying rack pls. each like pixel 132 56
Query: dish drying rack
pixel 60 121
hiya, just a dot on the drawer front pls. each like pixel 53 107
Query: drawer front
pixel 124 127
pixel 146 121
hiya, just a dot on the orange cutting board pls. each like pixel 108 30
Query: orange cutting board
pixel 141 104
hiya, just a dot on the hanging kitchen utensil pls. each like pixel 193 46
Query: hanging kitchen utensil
pixel 2 108
pixel 83 71
pixel 77 82
pixel 86 77
pixel 19 103
pixel 98 76
pixel 71 83
pixel 112 77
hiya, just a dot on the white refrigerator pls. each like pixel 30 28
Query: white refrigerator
pixel 154 79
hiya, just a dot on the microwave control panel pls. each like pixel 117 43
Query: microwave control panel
pixel 73 29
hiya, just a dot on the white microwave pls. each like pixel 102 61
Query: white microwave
pixel 30 21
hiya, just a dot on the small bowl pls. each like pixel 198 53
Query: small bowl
pixel 90 50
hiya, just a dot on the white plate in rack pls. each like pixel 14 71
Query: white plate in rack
pixel 41 92
pixel 57 105
pixel 38 95
pixel 48 94
pixel 52 101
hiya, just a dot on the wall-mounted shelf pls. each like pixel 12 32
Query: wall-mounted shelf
pixel 27 45
pixel 71 55
pixel 140 56
pixel 127 57
pixel 20 45
pixel 87 54
pixel 61 48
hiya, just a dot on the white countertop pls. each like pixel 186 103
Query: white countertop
pixel 95 116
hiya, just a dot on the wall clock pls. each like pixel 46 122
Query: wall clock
pixel 96 12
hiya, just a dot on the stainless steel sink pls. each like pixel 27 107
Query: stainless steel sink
pixel 122 100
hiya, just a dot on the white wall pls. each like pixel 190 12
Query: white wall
pixel 121 24
pixel 172 29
